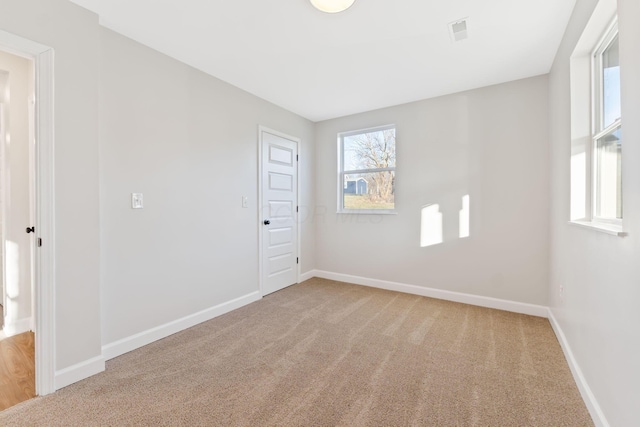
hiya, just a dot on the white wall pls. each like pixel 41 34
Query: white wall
pixel 600 273
pixel 16 203
pixel 73 33
pixel 188 142
pixel 488 143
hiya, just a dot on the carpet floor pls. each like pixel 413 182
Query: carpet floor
pixel 324 353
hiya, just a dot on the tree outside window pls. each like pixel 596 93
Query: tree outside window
pixel 367 170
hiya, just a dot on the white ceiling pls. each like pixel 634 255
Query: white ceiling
pixel 376 54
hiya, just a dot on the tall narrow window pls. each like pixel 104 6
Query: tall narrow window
pixel 367 170
pixel 607 125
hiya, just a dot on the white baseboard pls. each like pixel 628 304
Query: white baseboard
pixel 78 372
pixel 500 304
pixel 308 275
pixel 587 395
pixel 15 327
pixel 125 345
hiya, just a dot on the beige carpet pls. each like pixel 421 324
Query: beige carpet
pixel 324 353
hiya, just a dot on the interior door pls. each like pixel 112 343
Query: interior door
pixel 279 211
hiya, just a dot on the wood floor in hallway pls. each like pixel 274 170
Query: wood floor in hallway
pixel 17 369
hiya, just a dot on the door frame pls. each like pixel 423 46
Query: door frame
pixel 298 143
pixel 44 257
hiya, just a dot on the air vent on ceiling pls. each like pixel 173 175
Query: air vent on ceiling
pixel 458 29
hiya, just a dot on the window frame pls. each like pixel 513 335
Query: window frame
pixel 341 172
pixel 598 129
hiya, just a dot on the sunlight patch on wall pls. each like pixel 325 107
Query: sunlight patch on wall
pixel 438 222
pixel 431 226
pixel 464 218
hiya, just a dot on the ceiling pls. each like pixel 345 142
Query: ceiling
pixel 376 54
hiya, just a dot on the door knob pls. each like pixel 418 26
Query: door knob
pixel 267 222
pixel 31 230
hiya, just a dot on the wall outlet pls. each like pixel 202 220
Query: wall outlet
pixel 245 202
pixel 561 293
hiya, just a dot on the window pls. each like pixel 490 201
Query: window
pixel 367 170
pixel 607 125
pixel 596 200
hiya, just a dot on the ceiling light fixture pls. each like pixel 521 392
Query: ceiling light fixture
pixel 332 6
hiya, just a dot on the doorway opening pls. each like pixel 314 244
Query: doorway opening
pixel 17 194
pixel 17 191
pixel 28 238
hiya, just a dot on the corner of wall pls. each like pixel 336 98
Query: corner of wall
pixel 585 391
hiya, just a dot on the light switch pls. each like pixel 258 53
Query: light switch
pixel 136 201
pixel 245 202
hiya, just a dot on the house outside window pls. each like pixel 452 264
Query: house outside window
pixel 367 167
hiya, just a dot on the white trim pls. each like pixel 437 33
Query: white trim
pixel 597 85
pixel 45 223
pixel 44 280
pixel 585 391
pixel 298 143
pixel 596 118
pixel 482 301
pixel 125 345
pixel 298 202
pixel 609 129
pixel 308 275
pixel 614 230
pixel 79 372
pixel 259 207
pixel 363 171
pixel 3 214
pixel 15 327
pixel 367 212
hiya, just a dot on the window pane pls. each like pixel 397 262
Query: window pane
pixel 369 190
pixel 611 83
pixel 371 150
pixel 608 194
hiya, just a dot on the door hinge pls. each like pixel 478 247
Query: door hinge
pixel 297 260
pixel 39 242
pixel 297 208
pixel 297 157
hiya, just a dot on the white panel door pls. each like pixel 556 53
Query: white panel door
pixel 279 211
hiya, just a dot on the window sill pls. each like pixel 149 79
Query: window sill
pixel 367 212
pixel 614 230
